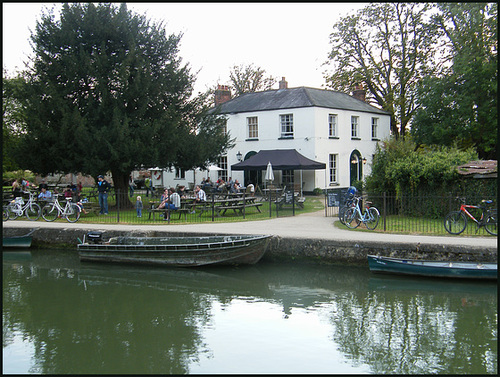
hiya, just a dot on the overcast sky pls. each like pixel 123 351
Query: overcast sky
pixel 288 40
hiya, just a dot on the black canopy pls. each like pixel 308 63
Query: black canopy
pixel 281 159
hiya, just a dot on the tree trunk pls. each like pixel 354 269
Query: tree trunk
pixel 121 185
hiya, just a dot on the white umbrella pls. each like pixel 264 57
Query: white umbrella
pixel 214 167
pixel 269 172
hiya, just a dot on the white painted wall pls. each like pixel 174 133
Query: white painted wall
pixel 310 139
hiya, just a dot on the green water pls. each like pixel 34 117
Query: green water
pixel 63 316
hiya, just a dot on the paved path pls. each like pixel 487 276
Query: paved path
pixel 305 226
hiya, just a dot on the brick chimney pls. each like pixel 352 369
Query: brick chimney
pixel 359 92
pixel 222 94
pixel 283 83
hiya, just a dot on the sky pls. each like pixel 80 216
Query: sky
pixel 288 40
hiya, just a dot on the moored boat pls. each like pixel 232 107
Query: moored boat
pixel 175 251
pixel 467 270
pixel 23 241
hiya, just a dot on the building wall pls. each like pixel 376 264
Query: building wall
pixel 311 139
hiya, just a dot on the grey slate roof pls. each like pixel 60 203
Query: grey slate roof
pixel 296 98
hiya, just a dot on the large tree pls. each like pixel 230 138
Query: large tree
pixel 461 106
pixel 386 47
pixel 248 78
pixel 107 92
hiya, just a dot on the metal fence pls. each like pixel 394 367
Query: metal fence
pixel 412 214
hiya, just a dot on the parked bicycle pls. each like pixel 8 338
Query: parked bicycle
pixel 53 210
pixel 30 209
pixel 5 213
pixel 456 221
pixel 353 216
pixel 349 203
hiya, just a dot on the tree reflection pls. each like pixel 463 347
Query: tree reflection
pixel 407 332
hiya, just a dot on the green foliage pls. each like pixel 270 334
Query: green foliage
pixel 388 47
pixel 400 168
pixel 461 107
pixel 107 92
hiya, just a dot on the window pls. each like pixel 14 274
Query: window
pixel 354 127
pixel 332 166
pixel 332 125
pixel 180 173
pixel 253 128
pixel 223 165
pixel 374 128
pixel 286 122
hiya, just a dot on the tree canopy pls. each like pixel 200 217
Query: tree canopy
pixel 246 79
pixel 461 106
pixel 108 92
pixel 388 48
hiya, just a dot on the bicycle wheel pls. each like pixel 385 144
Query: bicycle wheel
pixel 341 213
pixel 373 217
pixel 455 222
pixel 5 214
pixel 72 213
pixel 33 212
pixel 351 218
pixel 13 211
pixel 491 225
pixel 50 212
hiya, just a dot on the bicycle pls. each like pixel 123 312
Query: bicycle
pixel 349 203
pixel 5 213
pixel 353 216
pixel 53 210
pixel 456 221
pixel 17 208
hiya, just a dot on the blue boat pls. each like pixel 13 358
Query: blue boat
pixel 445 269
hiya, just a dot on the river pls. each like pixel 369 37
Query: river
pixel 61 316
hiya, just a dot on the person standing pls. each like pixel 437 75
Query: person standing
pixel 147 182
pixel 138 206
pixel 131 186
pixel 103 188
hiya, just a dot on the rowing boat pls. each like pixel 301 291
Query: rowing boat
pixel 23 241
pixel 175 251
pixel 469 270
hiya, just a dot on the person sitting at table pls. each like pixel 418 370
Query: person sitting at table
pixel 200 196
pixel 236 187
pixel 181 190
pixel 68 193
pixel 251 188
pixel 163 199
pixel 173 203
pixel 45 194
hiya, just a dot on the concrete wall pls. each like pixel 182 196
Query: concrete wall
pixel 291 249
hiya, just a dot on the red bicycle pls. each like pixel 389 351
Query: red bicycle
pixel 456 221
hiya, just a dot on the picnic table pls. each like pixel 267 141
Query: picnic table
pixel 237 203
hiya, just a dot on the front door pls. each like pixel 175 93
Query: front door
pixel 356 167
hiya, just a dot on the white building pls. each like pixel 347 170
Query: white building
pixel 324 125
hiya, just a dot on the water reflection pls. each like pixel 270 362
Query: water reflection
pixel 91 318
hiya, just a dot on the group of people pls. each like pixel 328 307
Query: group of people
pixel 221 185
pixel 170 200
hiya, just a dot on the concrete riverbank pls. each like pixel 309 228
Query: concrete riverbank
pixel 310 237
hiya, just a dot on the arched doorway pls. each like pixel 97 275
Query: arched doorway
pixel 252 176
pixel 356 167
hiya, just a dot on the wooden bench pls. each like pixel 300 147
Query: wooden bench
pixel 180 211
pixel 238 207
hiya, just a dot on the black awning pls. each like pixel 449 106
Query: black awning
pixel 281 159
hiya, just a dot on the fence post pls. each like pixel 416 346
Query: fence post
pixel 244 202
pixel 117 195
pixel 385 210
pixel 213 204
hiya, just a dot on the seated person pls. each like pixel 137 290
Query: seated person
pixel 200 196
pixel 251 188
pixel 173 203
pixel 163 199
pixel 68 193
pixel 181 190
pixel 45 194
